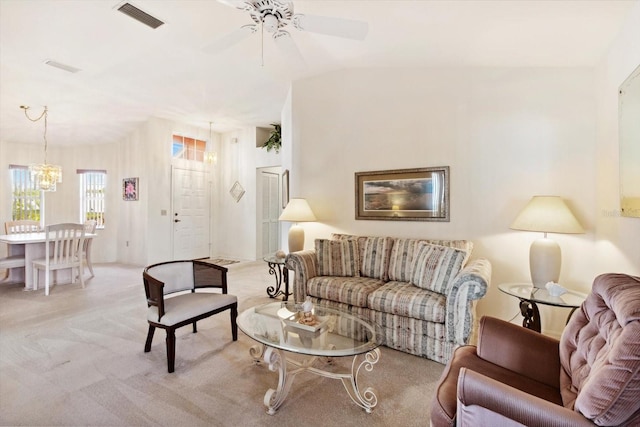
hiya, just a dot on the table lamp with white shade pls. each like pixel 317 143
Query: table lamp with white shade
pixel 547 214
pixel 297 210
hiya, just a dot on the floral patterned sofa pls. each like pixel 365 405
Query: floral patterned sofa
pixel 421 293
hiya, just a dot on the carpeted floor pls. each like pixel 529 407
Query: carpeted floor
pixel 220 261
pixel 76 358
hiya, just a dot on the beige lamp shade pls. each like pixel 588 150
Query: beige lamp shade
pixel 297 210
pixel 547 214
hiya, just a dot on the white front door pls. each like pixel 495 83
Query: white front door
pixel 190 215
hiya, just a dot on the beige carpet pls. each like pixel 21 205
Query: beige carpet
pixel 219 261
pixel 76 358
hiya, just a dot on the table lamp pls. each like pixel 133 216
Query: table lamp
pixel 547 214
pixel 297 210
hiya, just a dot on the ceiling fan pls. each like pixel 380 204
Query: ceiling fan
pixel 276 16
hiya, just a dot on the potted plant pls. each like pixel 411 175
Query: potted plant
pixel 275 139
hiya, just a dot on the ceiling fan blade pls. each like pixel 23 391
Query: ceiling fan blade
pixel 238 4
pixel 288 47
pixel 339 27
pixel 230 39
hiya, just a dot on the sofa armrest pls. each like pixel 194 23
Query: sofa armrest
pixel 470 284
pixel 514 347
pixel 304 266
pixel 484 401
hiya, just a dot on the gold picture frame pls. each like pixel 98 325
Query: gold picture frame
pixel 420 194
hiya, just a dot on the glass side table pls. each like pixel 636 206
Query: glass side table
pixel 281 275
pixel 529 298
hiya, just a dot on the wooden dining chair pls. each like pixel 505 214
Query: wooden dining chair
pixel 13 227
pixel 89 228
pixel 63 249
pixel 22 226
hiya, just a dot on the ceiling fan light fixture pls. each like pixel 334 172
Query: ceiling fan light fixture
pixel 270 23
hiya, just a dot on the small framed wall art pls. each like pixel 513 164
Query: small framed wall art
pixel 285 188
pixel 403 194
pixel 130 189
pixel 237 191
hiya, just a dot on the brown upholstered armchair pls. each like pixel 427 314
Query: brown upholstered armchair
pixel 517 377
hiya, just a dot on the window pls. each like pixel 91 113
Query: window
pixel 188 148
pixel 92 195
pixel 26 199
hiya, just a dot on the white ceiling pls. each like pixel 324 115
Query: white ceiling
pixel 131 72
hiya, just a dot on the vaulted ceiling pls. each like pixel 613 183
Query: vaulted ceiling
pixel 130 72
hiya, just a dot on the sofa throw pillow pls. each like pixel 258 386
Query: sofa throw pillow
pixel 401 259
pixel 337 257
pixel 375 259
pixel 361 242
pixel 434 267
pixel 465 245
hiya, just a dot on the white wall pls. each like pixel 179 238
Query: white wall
pixel 506 133
pixel 63 204
pixel 145 234
pixel 235 222
pixel 618 238
pixel 137 232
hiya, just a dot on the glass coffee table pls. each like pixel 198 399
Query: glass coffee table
pixel 337 334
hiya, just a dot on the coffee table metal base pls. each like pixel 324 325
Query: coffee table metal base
pixel 277 360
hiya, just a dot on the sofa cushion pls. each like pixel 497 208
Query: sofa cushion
pixel 404 299
pixel 337 257
pixel 465 245
pixel 349 290
pixel 403 251
pixel 375 260
pixel 434 267
pixel 400 260
pixel 361 243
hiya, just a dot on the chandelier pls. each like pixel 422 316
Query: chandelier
pixel 45 176
pixel 210 156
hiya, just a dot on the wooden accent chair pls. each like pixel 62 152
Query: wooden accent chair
pixel 187 306
pixel 63 250
pixel 517 377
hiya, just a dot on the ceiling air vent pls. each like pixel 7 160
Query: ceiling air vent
pixel 139 15
pixel 62 66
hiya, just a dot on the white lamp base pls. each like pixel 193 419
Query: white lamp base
pixel 296 238
pixel 545 259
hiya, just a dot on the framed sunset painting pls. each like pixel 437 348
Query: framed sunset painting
pixel 420 194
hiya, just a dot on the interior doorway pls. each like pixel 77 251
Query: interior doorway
pixel 190 216
pixel 268 210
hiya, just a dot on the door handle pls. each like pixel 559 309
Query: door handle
pixel 177 220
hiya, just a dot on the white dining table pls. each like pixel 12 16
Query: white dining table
pixel 32 246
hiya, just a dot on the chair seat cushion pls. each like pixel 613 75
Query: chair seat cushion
pixel 404 299
pixel 348 290
pixel 443 406
pixel 187 306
